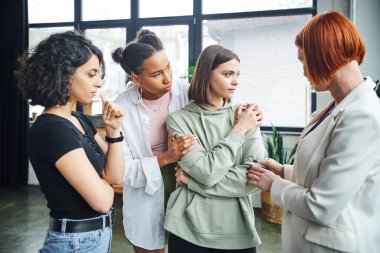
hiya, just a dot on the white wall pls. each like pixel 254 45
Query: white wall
pixel 343 6
pixel 366 17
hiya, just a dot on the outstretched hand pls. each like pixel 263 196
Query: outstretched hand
pixel 261 178
pixel 177 147
pixel 274 166
pixel 180 146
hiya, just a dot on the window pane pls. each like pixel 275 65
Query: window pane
pixel 106 10
pixel 271 74
pixel 114 82
pixel 176 43
pixel 35 36
pixel 165 8
pixel 228 6
pixel 50 11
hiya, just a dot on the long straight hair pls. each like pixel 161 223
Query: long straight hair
pixel 210 58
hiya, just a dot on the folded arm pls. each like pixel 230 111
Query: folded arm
pixel 234 182
pixel 208 166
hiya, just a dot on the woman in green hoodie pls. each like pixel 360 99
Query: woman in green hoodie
pixel 211 210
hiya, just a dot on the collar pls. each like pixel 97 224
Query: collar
pixel 362 89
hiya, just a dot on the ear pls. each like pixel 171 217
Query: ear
pixel 135 79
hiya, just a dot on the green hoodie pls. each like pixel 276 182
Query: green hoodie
pixel 215 209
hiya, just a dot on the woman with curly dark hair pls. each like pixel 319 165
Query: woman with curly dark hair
pixel 74 166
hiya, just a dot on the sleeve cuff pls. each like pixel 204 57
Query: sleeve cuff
pixel 152 173
pixel 277 189
pixel 235 137
pixel 288 171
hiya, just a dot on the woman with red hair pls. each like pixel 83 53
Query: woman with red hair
pixel 331 193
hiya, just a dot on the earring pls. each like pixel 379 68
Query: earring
pixel 140 92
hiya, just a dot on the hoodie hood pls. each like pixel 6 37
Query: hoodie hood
pixel 201 109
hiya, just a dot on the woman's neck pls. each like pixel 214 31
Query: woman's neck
pixel 216 103
pixel 346 79
pixel 61 110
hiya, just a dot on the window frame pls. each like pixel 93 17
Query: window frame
pixel 194 23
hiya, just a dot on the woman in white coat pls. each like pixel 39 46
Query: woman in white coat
pixel 332 193
pixel 150 154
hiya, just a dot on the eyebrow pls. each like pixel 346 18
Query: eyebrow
pixel 158 71
pixel 155 72
pixel 228 71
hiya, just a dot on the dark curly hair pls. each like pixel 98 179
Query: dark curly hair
pixel 44 73
pixel 132 57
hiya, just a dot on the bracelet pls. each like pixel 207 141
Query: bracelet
pixel 114 140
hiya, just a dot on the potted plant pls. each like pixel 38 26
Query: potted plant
pixel 270 211
pixel 189 75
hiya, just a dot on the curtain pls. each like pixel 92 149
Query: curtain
pixel 14 114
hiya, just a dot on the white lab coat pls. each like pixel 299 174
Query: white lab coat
pixel 143 189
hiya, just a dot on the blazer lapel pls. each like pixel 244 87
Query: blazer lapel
pixel 322 140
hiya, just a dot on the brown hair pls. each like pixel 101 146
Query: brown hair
pixel 329 41
pixel 210 58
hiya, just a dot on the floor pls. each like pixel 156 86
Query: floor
pixel 23 223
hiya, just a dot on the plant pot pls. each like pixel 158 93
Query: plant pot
pixel 270 211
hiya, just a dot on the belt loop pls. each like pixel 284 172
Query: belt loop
pixel 110 218
pixel 104 221
pixel 63 225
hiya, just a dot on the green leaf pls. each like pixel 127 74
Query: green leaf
pixel 276 150
pixel 292 154
pixel 270 150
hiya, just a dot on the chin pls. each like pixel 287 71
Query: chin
pixel 319 88
pixel 84 102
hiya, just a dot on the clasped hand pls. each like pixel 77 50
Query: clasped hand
pixel 248 116
pixel 112 117
pixel 181 177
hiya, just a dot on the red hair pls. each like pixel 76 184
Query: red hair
pixel 329 41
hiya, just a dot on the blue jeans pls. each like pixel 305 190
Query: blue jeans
pixel 97 241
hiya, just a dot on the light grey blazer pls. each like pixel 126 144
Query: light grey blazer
pixel 332 193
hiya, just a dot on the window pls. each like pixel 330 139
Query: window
pixel 176 44
pixel 105 10
pixel 269 64
pixel 228 6
pixel 165 8
pixel 48 11
pixel 108 39
pixel 261 32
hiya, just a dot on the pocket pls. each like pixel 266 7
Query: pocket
pixel 89 241
pixel 205 216
pixel 331 237
pixel 57 242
